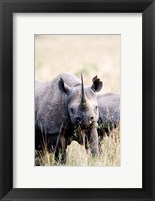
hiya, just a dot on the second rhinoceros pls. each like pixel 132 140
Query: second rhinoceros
pixel 66 110
pixel 109 113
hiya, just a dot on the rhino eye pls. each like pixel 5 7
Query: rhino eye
pixel 96 108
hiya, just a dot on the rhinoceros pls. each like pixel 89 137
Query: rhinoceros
pixel 66 110
pixel 109 113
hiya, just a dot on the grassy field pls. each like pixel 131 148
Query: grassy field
pixel 109 154
pixel 92 55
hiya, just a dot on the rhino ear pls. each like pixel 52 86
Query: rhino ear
pixel 63 87
pixel 97 84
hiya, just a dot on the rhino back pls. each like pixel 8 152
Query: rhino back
pixel 51 105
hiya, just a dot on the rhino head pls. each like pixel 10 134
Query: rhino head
pixel 82 102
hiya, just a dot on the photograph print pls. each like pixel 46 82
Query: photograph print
pixel 77 100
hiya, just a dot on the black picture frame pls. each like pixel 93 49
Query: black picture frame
pixel 7 8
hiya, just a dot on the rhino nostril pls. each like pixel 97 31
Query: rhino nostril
pixel 78 119
pixel 91 120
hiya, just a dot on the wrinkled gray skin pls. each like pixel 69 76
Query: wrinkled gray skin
pixel 109 112
pixel 65 110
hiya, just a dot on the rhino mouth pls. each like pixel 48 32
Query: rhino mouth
pixel 85 125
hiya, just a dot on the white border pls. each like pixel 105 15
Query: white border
pixel 129 174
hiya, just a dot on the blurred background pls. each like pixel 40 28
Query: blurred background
pixel 90 54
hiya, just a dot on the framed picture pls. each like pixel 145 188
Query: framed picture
pixel 84 129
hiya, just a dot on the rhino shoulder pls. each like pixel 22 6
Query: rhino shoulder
pixel 50 108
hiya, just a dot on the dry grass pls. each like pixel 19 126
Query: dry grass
pixel 109 154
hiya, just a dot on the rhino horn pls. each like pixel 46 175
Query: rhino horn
pixel 83 96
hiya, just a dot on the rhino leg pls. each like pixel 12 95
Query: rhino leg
pixel 93 141
pixel 60 152
pixel 40 140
